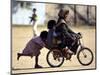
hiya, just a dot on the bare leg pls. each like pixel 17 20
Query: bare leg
pixel 21 54
pixel 36 62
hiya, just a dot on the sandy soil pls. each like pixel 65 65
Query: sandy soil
pixel 21 35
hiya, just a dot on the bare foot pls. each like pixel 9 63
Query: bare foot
pixel 18 56
pixel 38 66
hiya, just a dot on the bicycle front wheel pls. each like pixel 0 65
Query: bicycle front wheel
pixel 85 56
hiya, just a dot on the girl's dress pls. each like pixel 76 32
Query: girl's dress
pixel 34 46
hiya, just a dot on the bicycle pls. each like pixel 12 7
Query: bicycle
pixel 55 57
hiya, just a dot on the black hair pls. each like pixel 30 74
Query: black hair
pixel 51 24
pixel 43 35
pixel 34 9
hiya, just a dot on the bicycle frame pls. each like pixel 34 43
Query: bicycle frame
pixel 81 49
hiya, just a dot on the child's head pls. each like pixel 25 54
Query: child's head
pixel 43 35
pixel 34 9
pixel 51 24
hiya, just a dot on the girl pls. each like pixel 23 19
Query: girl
pixel 33 47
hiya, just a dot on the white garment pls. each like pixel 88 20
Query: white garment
pixel 35 31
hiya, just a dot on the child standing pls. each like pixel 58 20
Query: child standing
pixel 33 47
pixel 34 20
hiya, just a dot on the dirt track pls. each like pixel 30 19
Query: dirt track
pixel 21 35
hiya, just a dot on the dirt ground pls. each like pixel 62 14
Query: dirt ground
pixel 22 34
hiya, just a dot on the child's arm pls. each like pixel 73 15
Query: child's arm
pixel 31 19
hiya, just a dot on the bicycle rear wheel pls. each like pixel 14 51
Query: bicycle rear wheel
pixel 55 58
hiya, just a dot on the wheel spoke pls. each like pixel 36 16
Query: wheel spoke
pixel 85 56
pixel 55 58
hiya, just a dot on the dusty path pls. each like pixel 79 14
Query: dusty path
pixel 21 35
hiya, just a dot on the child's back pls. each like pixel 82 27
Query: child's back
pixel 34 46
pixel 51 26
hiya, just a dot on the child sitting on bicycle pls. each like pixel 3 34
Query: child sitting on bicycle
pixel 33 47
pixel 51 35
pixel 54 41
